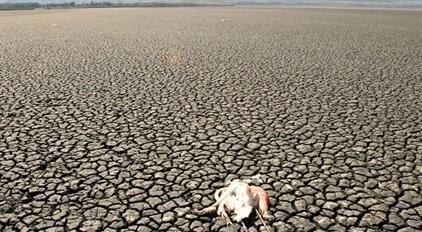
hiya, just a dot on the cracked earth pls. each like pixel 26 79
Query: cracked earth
pixel 125 119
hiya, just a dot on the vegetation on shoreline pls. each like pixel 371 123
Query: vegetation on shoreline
pixel 66 5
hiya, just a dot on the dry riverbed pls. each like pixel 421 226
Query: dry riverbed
pixel 128 118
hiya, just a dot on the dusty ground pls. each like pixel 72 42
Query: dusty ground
pixel 128 118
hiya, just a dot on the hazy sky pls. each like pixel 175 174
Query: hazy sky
pixel 304 2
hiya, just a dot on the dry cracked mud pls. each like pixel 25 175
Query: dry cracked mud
pixel 125 119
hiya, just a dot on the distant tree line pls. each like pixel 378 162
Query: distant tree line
pixel 140 4
pixel 34 5
pixel 92 4
pixel 19 6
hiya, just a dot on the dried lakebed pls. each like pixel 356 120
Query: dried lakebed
pixel 128 118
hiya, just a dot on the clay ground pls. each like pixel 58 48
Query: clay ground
pixel 128 118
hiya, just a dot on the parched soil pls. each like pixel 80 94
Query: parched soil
pixel 127 118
